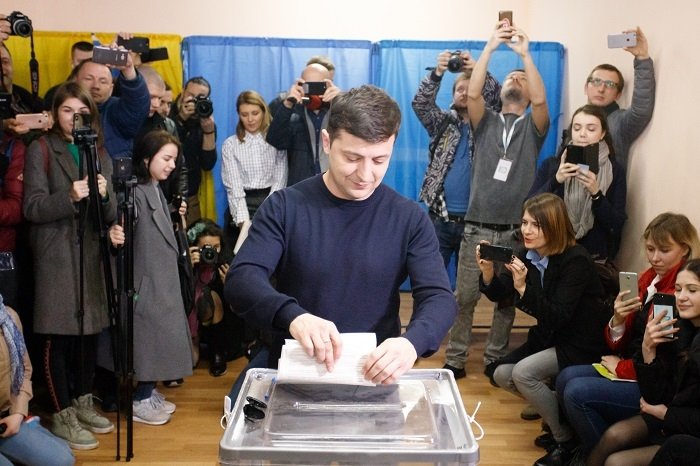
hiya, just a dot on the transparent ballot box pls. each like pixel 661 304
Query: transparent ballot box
pixel 418 421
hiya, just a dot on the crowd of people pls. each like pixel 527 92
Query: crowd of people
pixel 304 250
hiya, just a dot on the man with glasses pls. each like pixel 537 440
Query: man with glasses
pixel 604 87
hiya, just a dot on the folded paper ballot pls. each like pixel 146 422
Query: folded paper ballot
pixel 298 367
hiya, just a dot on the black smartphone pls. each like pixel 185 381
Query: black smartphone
pixel 135 44
pixel 108 56
pixel 584 155
pixel 314 87
pixel 492 252
pixel 664 302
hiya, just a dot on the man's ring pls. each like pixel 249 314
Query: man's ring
pixel 326 341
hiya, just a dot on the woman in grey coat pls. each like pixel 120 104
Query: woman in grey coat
pixel 162 349
pixel 53 193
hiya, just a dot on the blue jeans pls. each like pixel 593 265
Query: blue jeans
pixel 593 403
pixel 468 295
pixel 34 446
pixel 449 235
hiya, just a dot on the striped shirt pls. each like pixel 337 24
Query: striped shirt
pixel 251 164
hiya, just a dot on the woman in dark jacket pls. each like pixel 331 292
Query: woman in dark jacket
pixel 595 200
pixel 555 282
pixel 668 371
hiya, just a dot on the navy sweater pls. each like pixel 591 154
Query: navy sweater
pixel 343 261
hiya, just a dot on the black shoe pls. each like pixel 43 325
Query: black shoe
pixel 546 441
pixel 457 372
pixel 559 456
pixel 489 370
pixel 217 366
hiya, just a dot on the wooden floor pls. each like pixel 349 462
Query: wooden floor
pixel 192 435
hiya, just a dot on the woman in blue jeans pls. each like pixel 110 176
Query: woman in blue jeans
pixel 23 440
pixel 591 402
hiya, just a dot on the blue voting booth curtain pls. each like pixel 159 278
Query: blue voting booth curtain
pixel 269 66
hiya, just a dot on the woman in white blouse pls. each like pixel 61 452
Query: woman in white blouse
pixel 251 167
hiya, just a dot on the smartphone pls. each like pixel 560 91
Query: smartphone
pixel 618 41
pixel 507 15
pixel 314 87
pixel 492 252
pixel 628 282
pixel 108 56
pixel 135 44
pixel 584 155
pixel 33 120
pixel 664 302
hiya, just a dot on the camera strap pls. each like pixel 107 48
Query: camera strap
pixel 33 68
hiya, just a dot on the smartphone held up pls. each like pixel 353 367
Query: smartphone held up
pixel 664 303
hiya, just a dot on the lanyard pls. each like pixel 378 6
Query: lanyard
pixel 509 135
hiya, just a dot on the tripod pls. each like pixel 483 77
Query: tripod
pixel 85 138
pixel 123 325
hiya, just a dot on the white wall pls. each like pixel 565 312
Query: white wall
pixel 663 168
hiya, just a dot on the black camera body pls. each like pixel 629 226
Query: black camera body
pixel 209 255
pixel 203 107
pixel 456 62
pixel 20 24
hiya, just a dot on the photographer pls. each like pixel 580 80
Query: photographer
pixel 122 116
pixel 22 100
pixel 211 317
pixel 192 113
pixel 446 184
pixel 4 28
pixel 301 115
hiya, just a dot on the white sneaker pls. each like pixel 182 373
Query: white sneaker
pixel 161 402
pixel 149 412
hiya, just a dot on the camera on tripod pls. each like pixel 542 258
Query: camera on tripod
pixel 82 129
pixel 20 24
pixel 456 62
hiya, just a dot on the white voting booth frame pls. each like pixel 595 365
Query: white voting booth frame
pixel 418 421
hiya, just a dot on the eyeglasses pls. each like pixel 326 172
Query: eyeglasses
pixel 597 82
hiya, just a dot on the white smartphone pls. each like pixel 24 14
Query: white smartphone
pixel 618 41
pixel 628 281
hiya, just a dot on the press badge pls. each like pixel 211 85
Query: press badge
pixel 502 170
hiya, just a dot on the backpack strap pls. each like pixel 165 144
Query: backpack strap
pixel 45 151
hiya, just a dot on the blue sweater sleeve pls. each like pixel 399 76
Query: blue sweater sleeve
pixel 131 109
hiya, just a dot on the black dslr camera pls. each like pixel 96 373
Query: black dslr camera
pixel 20 24
pixel 456 62
pixel 203 107
pixel 209 255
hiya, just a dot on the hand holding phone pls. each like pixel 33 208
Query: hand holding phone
pixel 314 87
pixel 625 39
pixel 33 120
pixel 491 252
pixel 629 282
pixel 664 303
pixel 109 56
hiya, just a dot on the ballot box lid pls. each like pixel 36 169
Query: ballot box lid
pixel 420 419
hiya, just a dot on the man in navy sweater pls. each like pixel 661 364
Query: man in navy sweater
pixel 339 246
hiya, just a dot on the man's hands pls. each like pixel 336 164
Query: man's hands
pixel 641 50
pixel 444 57
pixel 295 94
pixel 4 28
pixel 389 361
pixel 319 338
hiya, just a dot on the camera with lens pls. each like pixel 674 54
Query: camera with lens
pixel 209 255
pixel 203 107
pixel 20 24
pixel 456 62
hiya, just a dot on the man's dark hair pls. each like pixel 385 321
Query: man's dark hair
pixel 366 112
pixel 199 80
pixel 609 67
pixel 81 45
pixel 148 146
